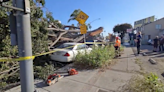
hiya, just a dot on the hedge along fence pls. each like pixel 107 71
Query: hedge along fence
pixel 99 57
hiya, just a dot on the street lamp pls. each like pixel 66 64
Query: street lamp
pixel 93 21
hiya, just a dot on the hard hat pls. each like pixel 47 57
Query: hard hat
pixel 117 37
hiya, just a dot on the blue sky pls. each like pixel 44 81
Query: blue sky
pixel 111 12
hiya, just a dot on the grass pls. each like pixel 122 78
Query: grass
pixel 138 61
pixel 99 57
pixel 147 83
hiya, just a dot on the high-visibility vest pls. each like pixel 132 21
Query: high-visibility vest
pixel 117 43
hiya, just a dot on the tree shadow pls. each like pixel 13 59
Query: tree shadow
pixel 41 84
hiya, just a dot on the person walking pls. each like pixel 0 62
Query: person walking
pixel 161 42
pixel 156 43
pixel 138 41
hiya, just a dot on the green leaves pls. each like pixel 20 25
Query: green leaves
pixel 38 32
pixel 38 13
pixel 99 57
pixel 74 15
pixel 42 2
pixel 148 83
pixel 121 28
pixel 42 73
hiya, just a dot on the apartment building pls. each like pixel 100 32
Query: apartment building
pixel 151 30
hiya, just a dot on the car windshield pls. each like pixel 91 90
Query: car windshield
pixel 66 46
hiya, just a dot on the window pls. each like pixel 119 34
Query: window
pixel 81 47
pixel 68 46
pixel 158 26
pixel 141 28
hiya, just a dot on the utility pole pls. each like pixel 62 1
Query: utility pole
pixel 20 28
pixel 24 45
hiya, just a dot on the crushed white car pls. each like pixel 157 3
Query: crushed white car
pixel 67 52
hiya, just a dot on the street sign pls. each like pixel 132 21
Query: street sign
pixel 82 17
pixel 83 29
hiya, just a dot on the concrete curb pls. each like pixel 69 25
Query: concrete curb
pixel 152 61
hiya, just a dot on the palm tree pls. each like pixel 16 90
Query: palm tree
pixel 74 15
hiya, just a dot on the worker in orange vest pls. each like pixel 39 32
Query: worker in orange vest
pixel 117 45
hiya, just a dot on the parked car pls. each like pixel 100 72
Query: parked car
pixel 69 51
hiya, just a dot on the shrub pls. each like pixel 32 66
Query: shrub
pixel 99 57
pixel 149 83
pixel 43 72
pixel 122 48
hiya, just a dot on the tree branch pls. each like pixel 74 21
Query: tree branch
pixel 6 71
pixel 13 72
pixel 55 29
pixel 58 39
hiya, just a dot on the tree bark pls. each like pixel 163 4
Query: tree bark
pixel 58 38
pixel 56 29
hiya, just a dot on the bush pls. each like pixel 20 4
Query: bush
pixel 99 57
pixel 149 83
pixel 122 48
pixel 43 72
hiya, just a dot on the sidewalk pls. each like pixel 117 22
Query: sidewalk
pixel 157 56
pixel 94 80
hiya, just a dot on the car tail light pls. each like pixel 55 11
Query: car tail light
pixel 67 54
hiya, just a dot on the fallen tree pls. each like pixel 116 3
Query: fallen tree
pixel 71 35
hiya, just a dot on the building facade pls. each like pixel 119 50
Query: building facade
pixel 151 30
pixel 139 23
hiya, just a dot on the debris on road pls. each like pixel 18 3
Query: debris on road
pixel 144 54
pixel 152 61
pixel 52 79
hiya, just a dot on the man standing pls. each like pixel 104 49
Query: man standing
pixel 156 43
pixel 161 42
pixel 138 41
